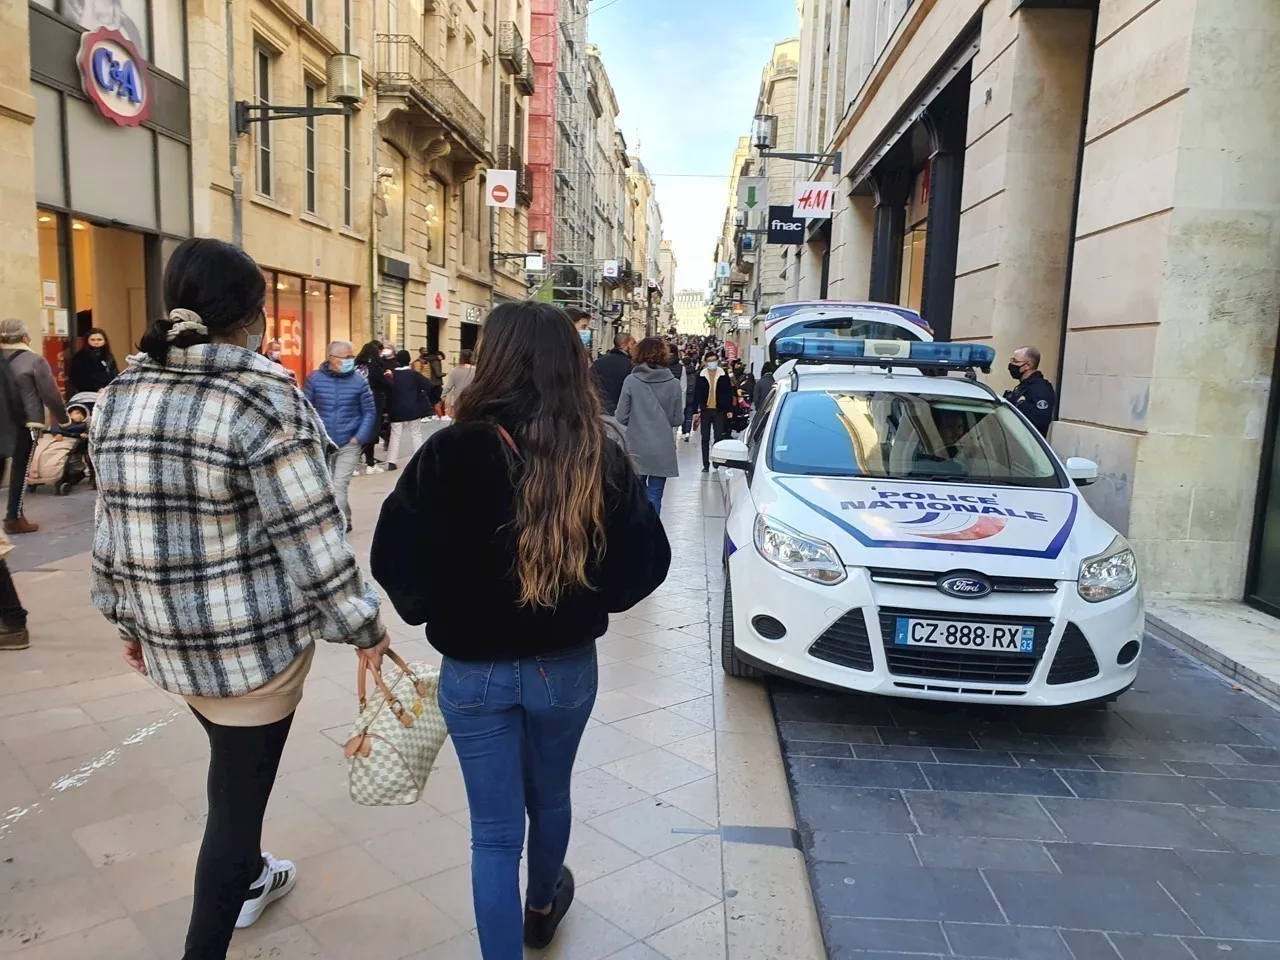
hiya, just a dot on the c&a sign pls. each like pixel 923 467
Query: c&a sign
pixel 114 76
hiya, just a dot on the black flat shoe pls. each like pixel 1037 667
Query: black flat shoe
pixel 540 929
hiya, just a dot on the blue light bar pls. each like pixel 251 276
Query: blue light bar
pixel 888 353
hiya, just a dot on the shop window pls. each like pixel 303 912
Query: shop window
pixel 309 10
pixel 290 326
pixel 316 307
pixel 310 138
pixel 393 188
pixel 434 217
pixel 339 312
pixel 127 16
pixel 170 39
pixel 911 289
pixel 262 134
pixel 54 298
pixel 347 171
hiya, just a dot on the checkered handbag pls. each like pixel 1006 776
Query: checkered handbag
pixel 394 744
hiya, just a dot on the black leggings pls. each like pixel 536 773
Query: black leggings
pixel 242 769
pixel 22 450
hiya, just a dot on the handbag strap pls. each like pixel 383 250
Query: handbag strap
pixel 388 697
pixel 506 438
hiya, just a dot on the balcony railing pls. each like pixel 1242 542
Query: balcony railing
pixel 509 158
pixel 511 51
pixel 524 187
pixel 525 82
pixel 404 68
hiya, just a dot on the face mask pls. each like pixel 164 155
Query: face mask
pixel 1015 371
pixel 387 354
pixel 274 355
pixel 255 342
pixel 712 365
pixel 585 337
pixel 348 365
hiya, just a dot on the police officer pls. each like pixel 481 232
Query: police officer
pixel 1033 396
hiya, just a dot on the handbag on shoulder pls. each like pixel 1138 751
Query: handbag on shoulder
pixel 394 743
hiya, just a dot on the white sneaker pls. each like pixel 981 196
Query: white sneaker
pixel 370 471
pixel 277 879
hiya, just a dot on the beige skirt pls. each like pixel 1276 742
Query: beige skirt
pixel 270 703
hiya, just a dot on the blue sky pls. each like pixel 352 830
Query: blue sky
pixel 686 74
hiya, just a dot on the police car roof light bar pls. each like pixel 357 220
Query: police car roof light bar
pixel 888 354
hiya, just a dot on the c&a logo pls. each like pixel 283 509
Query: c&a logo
pixel 114 76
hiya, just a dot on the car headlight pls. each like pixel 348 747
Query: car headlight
pixel 793 552
pixel 1108 574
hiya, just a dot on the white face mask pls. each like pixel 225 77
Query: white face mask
pixel 255 342
pixel 712 365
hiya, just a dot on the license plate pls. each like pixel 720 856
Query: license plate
pixel 962 635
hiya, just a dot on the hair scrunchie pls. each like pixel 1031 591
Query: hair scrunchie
pixel 184 321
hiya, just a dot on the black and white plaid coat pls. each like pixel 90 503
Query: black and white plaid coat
pixel 218 542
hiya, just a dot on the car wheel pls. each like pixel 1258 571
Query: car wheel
pixel 733 666
pixel 62 489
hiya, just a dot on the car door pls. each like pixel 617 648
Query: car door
pixel 737 483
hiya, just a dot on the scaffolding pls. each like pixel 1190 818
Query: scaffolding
pixel 575 269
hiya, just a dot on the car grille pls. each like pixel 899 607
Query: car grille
pixel 846 643
pixel 923 578
pixel 972 666
pixel 1074 660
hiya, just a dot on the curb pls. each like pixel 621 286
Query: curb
pixel 1232 669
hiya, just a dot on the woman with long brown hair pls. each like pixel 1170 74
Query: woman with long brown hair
pixel 547 531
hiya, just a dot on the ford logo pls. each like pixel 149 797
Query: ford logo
pixel 964 584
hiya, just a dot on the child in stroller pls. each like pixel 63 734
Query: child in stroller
pixel 61 456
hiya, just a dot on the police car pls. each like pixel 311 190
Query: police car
pixel 842 319
pixel 896 527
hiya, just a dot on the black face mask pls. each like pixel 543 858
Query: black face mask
pixel 1015 371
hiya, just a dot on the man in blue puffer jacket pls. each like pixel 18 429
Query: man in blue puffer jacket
pixel 345 404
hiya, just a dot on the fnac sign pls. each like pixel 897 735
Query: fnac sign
pixel 114 76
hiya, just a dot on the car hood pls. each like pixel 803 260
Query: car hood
pixel 1001 531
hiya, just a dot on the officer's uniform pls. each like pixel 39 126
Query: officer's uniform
pixel 1035 400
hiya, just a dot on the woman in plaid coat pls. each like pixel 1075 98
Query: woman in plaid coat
pixel 219 554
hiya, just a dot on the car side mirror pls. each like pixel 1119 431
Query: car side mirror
pixel 732 454
pixel 1082 471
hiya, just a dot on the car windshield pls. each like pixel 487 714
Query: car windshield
pixel 846 327
pixel 908 436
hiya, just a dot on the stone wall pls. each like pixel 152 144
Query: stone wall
pixel 19 260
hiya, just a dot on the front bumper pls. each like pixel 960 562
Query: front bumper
pixel 836 637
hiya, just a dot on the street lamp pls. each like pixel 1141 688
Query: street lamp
pixel 765 136
pixel 344 85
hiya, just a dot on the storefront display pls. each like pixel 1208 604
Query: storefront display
pixel 305 315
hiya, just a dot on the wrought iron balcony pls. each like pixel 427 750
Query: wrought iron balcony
pixel 511 50
pixel 406 70
pixel 524 187
pixel 525 82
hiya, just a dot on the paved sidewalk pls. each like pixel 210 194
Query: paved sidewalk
pixel 102 778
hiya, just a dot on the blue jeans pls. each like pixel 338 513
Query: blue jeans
pixel 516 725
pixel 653 487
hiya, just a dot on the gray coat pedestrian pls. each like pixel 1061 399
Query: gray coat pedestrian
pixel 650 408
pixel 36 385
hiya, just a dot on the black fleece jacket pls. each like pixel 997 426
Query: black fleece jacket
pixel 445 546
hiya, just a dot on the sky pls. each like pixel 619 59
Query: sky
pixel 686 74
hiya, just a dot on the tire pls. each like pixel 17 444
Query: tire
pixel 733 666
pixel 62 488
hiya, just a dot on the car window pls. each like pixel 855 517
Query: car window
pixel 854 328
pixel 760 422
pixel 909 436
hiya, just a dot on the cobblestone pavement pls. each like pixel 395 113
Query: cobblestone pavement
pixel 682 841
pixel 1149 830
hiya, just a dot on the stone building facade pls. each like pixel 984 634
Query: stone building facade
pixel 1098 180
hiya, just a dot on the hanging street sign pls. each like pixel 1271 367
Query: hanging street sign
pixel 813 200
pixel 500 189
pixel 722 271
pixel 783 227
pixel 611 269
pixel 753 193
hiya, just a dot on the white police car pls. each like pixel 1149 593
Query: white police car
pixel 913 535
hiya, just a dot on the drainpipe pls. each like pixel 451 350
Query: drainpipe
pixel 375 313
pixel 237 177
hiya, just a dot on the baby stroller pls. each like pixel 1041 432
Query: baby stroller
pixel 61 457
